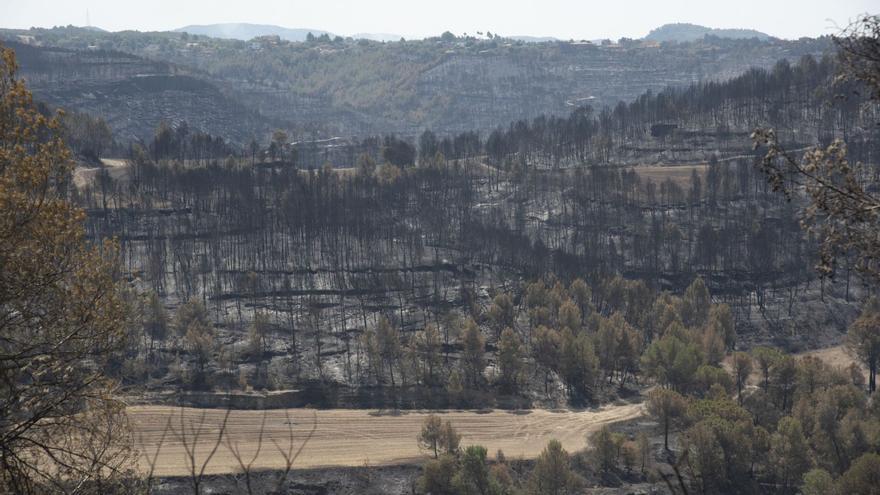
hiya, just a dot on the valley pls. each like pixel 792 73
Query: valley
pixel 241 258
pixel 235 89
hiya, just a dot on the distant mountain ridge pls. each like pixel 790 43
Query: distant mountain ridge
pixel 678 32
pixel 245 31
pixel 533 39
pixel 377 36
pixel 342 87
pixel 683 32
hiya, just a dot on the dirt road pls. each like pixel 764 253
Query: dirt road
pixel 345 437
pixel 117 168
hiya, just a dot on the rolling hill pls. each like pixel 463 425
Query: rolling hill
pixel 340 87
pixel 244 31
pixel 683 32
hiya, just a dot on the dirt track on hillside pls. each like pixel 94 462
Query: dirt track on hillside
pixel 344 437
pixel 83 176
pixel 835 356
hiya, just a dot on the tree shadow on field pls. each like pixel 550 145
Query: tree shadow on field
pixel 388 412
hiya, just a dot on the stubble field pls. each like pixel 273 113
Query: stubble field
pixel 346 437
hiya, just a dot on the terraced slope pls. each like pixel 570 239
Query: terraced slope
pixel 355 88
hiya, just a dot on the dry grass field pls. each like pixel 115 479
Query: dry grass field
pixel 835 356
pixel 350 437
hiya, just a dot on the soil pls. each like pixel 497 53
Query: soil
pixel 117 168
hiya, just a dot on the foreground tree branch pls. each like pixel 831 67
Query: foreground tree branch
pixel 61 318
pixel 842 212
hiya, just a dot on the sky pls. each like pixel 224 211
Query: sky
pixel 570 19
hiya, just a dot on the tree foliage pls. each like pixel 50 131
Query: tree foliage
pixel 62 316
pixel 552 474
pixel 789 453
pixel 510 364
pixel 473 356
pixel 863 477
pixel 842 212
pixel 668 407
pixel 438 437
pixel 863 340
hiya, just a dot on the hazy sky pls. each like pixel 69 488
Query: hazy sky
pixel 585 19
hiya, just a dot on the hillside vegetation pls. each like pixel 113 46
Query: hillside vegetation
pixel 343 87
pixel 697 264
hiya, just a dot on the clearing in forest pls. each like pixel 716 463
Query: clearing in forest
pixel 679 174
